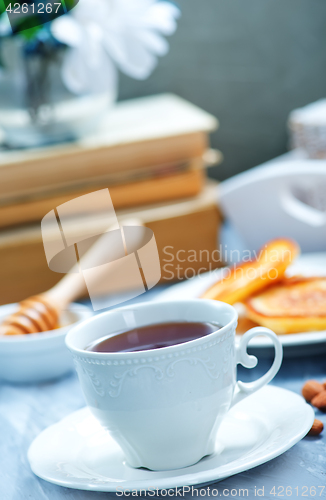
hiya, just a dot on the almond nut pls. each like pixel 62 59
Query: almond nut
pixel 311 389
pixel 316 429
pixel 319 401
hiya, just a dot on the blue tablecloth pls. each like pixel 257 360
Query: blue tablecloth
pixel 26 410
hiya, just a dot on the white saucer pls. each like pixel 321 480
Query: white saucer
pixel 78 453
pixel 312 264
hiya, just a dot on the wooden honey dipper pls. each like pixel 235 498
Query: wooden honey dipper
pixel 40 313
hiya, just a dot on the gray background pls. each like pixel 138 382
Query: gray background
pixel 249 62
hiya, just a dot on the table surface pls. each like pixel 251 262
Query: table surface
pixel 25 410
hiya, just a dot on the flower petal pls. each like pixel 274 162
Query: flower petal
pixel 80 77
pixel 130 55
pixel 154 42
pixel 126 32
pixel 162 16
pixel 67 30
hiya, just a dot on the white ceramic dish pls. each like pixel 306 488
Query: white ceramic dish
pixel 77 453
pixel 39 356
pixel 313 264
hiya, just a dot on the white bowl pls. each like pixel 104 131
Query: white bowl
pixel 38 357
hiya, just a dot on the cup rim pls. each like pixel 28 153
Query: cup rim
pixel 150 352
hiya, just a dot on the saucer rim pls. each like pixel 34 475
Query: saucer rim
pixel 191 479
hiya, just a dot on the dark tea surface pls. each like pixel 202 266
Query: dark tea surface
pixel 153 337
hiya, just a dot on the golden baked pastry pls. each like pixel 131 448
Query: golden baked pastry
pixel 244 324
pixel 248 278
pixel 294 305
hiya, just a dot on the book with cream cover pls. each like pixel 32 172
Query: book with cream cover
pixel 137 134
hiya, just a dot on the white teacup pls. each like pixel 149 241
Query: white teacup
pixel 164 406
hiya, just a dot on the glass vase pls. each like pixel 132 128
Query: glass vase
pixel 35 107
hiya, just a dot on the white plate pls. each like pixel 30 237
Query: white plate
pixel 312 264
pixel 78 453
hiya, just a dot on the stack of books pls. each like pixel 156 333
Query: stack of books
pixel 151 153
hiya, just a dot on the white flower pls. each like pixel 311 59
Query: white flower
pixel 103 34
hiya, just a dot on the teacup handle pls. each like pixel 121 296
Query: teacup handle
pixel 243 389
